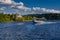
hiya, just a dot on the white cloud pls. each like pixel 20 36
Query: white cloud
pixel 3 8
pixel 51 11
pixel 46 10
pixel 36 8
pixel 24 8
pixel 20 6
pixel 12 4
pixel 6 1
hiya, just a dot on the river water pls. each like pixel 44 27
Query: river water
pixel 48 30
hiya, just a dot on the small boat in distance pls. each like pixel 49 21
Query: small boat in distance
pixel 38 20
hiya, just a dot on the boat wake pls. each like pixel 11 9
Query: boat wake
pixel 43 22
pixel 20 23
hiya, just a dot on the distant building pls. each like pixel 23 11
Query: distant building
pixel 18 16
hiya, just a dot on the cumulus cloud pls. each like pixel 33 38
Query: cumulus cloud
pixel 46 10
pixel 36 8
pixel 24 8
pixel 50 10
pixel 11 6
pixel 6 1
pixel 17 4
pixel 3 8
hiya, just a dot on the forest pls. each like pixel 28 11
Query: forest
pixel 9 17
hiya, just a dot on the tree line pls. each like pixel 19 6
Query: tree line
pixel 12 17
pixel 48 16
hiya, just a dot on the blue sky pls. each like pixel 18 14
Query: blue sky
pixel 41 3
pixel 30 6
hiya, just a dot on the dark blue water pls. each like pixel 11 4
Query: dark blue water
pixel 30 31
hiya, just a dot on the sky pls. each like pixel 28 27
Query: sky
pixel 30 6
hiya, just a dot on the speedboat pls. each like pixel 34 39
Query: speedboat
pixel 38 20
pixel 41 21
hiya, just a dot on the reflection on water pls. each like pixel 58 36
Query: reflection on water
pixel 30 31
